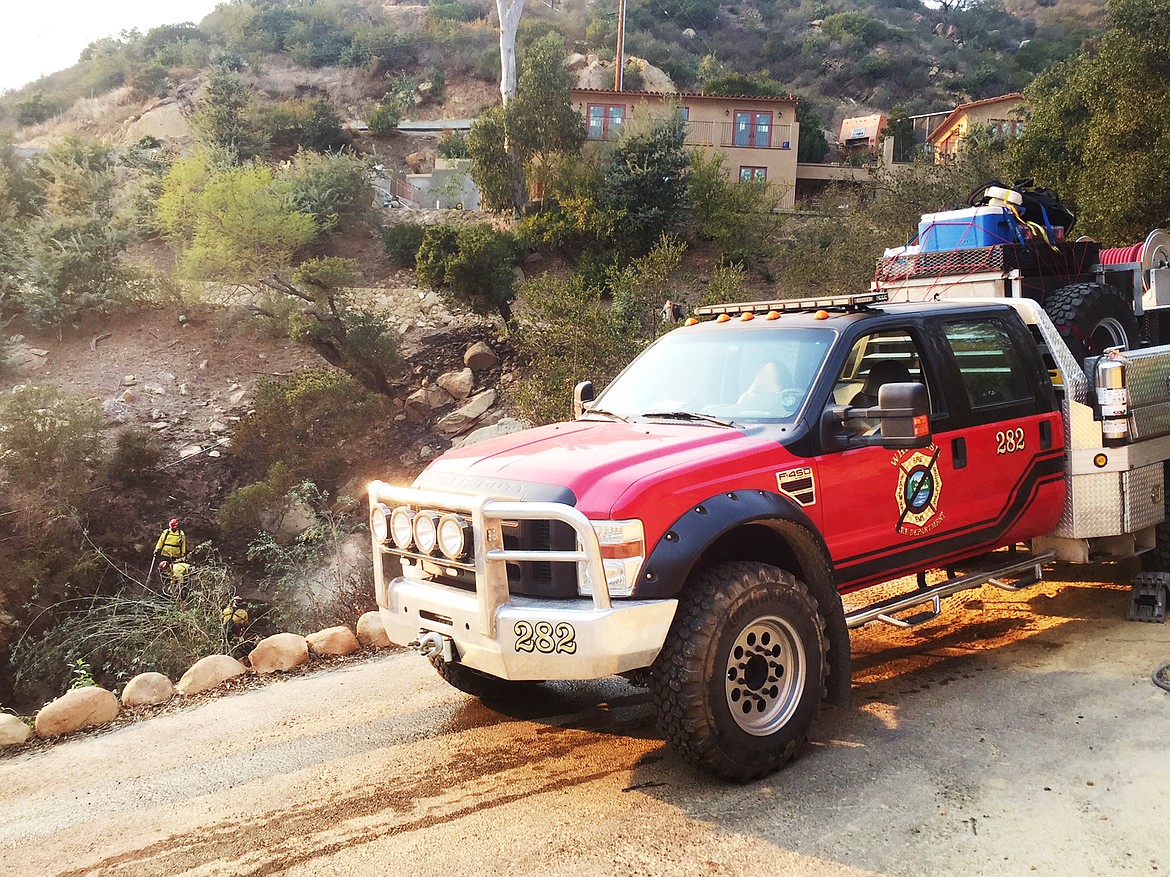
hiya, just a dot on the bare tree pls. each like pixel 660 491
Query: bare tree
pixel 509 12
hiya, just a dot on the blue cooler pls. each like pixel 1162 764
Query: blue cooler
pixel 967 229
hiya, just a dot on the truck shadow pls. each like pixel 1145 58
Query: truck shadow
pixel 956 729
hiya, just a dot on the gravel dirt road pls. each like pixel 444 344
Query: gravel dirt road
pixel 1018 735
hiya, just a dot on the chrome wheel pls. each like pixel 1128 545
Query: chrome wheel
pixel 765 676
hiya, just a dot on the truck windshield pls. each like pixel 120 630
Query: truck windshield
pixel 736 375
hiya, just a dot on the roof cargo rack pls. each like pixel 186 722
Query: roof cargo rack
pixel 858 302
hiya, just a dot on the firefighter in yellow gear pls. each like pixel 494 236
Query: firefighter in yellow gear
pixel 172 543
pixel 235 619
pixel 179 573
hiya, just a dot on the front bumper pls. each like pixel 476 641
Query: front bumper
pixel 511 636
pixel 535 639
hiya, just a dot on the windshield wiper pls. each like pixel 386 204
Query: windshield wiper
pixel 611 415
pixel 687 415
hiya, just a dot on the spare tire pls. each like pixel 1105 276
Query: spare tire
pixel 1091 317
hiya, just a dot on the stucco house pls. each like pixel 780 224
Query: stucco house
pixel 1004 113
pixel 757 136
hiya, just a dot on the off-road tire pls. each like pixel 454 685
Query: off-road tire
pixel 489 689
pixel 1091 317
pixel 741 676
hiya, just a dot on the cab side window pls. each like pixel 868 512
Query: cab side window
pixel 990 368
pixel 887 357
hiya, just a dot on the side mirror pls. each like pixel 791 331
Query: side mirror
pixel 902 416
pixel 582 396
pixel 904 413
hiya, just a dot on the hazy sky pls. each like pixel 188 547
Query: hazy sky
pixel 38 37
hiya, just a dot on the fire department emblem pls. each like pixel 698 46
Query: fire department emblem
pixel 919 486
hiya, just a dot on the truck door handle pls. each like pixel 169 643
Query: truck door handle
pixel 959 453
pixel 1045 435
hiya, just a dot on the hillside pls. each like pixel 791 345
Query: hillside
pixel 845 58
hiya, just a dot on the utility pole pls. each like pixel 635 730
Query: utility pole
pixel 620 59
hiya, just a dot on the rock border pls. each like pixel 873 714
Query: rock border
pixel 74 713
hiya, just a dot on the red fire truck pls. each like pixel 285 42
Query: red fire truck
pixel 710 524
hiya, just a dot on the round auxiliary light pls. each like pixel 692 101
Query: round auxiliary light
pixel 452 536
pixel 380 522
pixel 402 527
pixel 426 536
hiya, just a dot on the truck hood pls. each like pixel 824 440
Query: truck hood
pixel 592 464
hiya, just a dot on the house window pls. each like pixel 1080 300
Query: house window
pixel 605 120
pixel 753 130
pixel 753 174
pixel 684 113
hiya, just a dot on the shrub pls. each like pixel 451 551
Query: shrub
pixel 117 637
pixel 473 265
pixel 49 440
pixel 245 509
pixel 402 241
pixel 135 457
pixel 326 187
pixel 384 118
pixel 306 422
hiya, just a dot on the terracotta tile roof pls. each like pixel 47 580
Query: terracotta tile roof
pixel 687 95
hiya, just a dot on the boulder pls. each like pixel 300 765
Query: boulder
pixel 333 641
pixel 371 633
pixel 480 357
pixel 12 730
pixel 209 672
pixel 504 426
pixel 147 689
pixel 281 651
pixel 459 384
pixel 77 709
pixel 424 400
pixel 462 419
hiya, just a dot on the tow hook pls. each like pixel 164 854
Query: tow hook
pixel 431 643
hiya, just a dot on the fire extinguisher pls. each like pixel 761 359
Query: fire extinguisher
pixel 1113 398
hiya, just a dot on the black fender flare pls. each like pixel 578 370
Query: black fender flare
pixel 703 524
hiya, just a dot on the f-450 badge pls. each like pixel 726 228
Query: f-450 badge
pixel 919 487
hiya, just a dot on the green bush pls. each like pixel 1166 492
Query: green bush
pixel 473 266
pixel 384 118
pixel 113 638
pixel 326 187
pixel 402 241
pixel 311 124
pixel 306 422
pixel 244 511
pixel 135 457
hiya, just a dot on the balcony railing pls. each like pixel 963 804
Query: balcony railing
pixel 728 135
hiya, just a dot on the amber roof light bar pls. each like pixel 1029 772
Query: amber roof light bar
pixel 858 302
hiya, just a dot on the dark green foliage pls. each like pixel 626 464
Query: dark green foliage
pixel 49 440
pixel 402 241
pixel 644 182
pixel 309 124
pixel 473 265
pixel 221 121
pixel 812 146
pixel 452 144
pixel 1098 130
pixel 901 128
pixel 327 187
pixel 35 108
pixel 135 457
pixel 521 137
pixel 244 511
pixel 737 218
pixel 493 169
